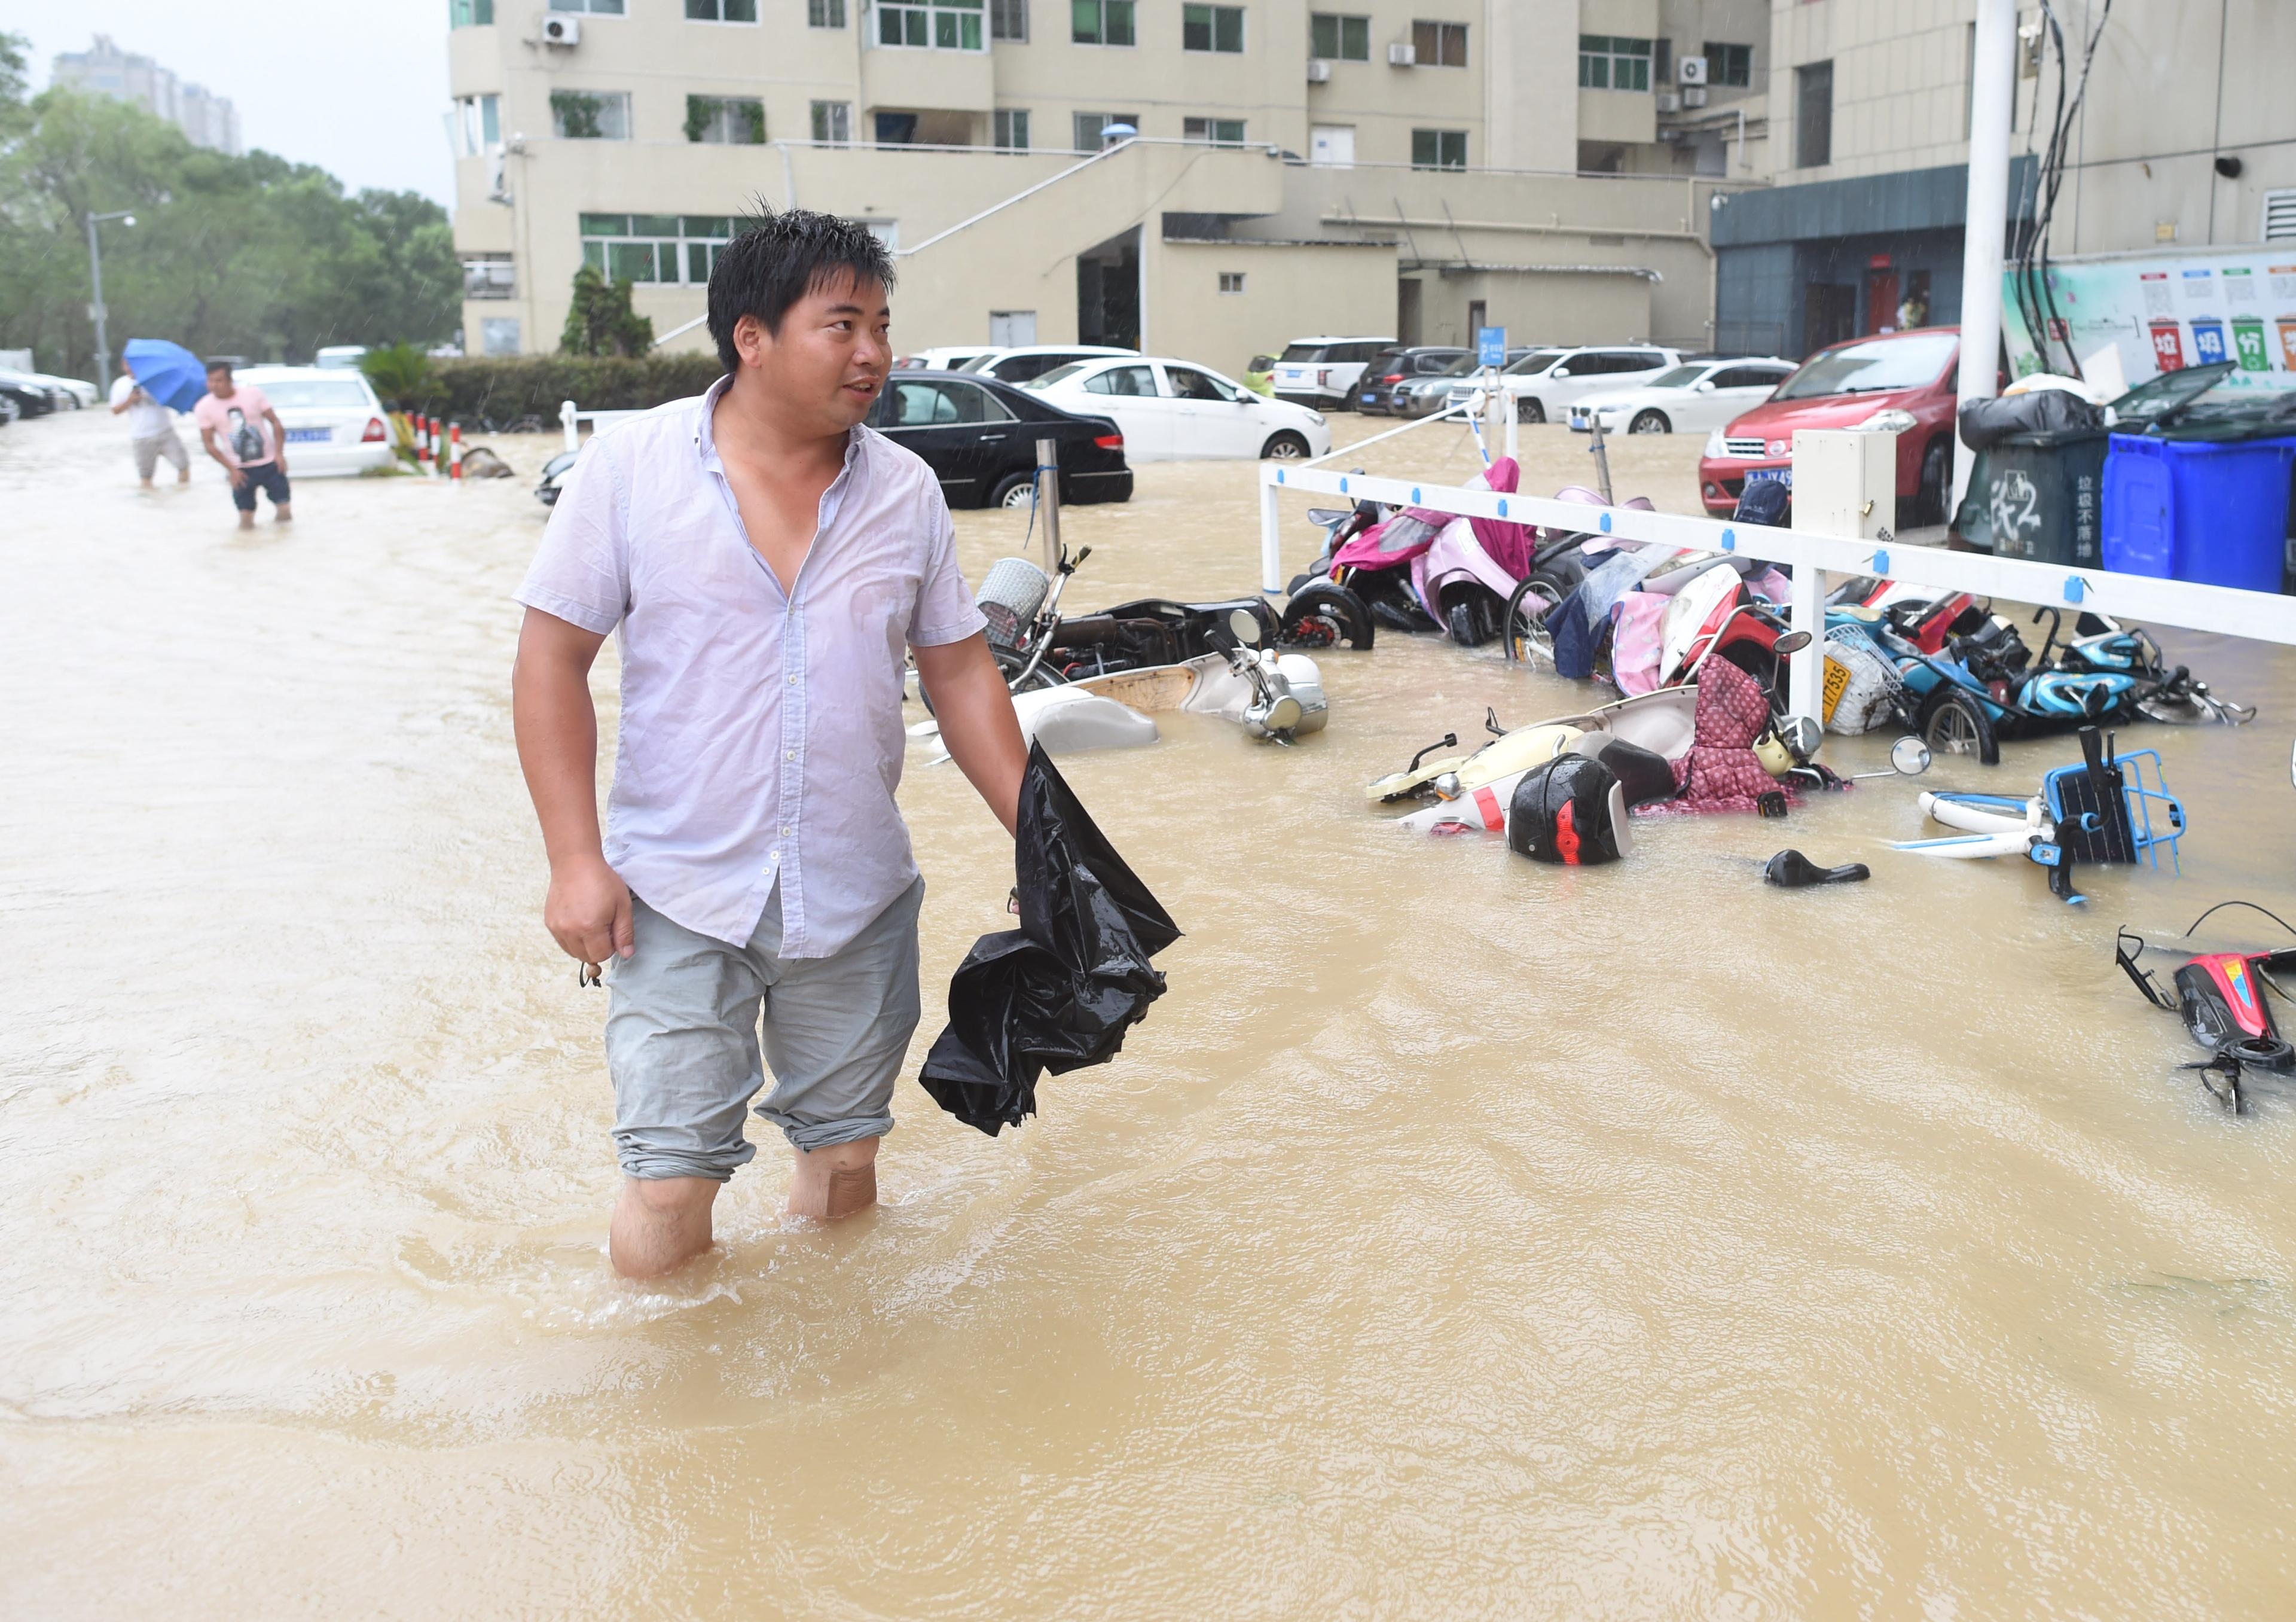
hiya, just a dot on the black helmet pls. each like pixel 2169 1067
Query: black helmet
pixel 1570 812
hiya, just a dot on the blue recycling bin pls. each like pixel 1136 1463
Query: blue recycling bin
pixel 2212 511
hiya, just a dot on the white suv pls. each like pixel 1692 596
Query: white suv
pixel 1547 383
pixel 1322 372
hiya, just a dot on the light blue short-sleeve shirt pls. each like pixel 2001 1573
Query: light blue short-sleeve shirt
pixel 761 733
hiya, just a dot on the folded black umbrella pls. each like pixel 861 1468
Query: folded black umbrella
pixel 1059 992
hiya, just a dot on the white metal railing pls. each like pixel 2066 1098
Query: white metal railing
pixel 571 419
pixel 2262 615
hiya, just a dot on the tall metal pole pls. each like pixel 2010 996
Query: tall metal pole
pixel 96 278
pixel 1048 499
pixel 1992 102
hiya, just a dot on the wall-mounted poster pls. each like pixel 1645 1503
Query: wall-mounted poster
pixel 2165 313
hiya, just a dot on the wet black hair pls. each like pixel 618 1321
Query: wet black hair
pixel 218 366
pixel 779 256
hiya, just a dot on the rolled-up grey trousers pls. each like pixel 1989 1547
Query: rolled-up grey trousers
pixel 682 1039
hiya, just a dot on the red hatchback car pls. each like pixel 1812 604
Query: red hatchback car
pixel 1901 381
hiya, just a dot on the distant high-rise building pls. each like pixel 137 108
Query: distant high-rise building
pixel 105 69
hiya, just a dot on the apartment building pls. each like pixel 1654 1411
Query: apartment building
pixel 1208 178
pixel 2186 136
pixel 103 69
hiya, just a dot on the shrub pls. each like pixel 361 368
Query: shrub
pixel 600 321
pixel 493 393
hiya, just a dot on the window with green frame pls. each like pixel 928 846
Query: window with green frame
pixel 1439 149
pixel 675 247
pixel 1611 63
pixel 470 13
pixel 1727 64
pixel 1212 28
pixel 1101 22
pixel 939 25
pixel 1338 39
pixel 726 121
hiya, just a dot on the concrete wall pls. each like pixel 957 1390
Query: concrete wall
pixel 1289 289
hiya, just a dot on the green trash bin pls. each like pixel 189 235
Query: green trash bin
pixel 2038 496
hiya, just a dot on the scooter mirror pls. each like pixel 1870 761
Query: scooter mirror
pixel 1792 642
pixel 1910 756
pixel 1244 626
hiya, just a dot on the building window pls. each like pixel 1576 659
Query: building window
pixel 832 122
pixel 721 11
pixel 726 121
pixel 1814 115
pixel 1440 45
pixel 489 278
pixel 1606 62
pixel 1089 125
pixel 675 247
pixel 1212 28
pixel 1219 132
pixel 1231 281
pixel 824 13
pixel 590 115
pixel 478 123
pixel 1010 128
pixel 1439 149
pixel 470 13
pixel 1101 22
pixel 1729 65
pixel 1009 20
pixel 498 335
pixel 1338 39
pixel 596 8
pixel 940 25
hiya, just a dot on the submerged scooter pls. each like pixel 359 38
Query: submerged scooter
pixel 2221 996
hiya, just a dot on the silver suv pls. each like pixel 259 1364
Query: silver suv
pixel 1546 383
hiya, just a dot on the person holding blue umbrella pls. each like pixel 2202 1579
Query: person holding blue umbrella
pixel 149 411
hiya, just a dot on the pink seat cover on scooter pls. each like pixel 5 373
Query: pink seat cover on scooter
pixel 1507 544
pixel 1722 772
pixel 1369 550
pixel 1637 641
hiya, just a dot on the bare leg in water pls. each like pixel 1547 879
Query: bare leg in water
pixel 660 1223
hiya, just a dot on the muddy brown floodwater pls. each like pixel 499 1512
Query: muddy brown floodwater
pixel 1460 1238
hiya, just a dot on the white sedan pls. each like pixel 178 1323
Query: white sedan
pixel 334 423
pixel 1175 410
pixel 1693 398
pixel 82 392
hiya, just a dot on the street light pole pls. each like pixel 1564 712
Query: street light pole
pixel 1992 102
pixel 96 310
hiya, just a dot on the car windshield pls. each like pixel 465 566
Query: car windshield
pixel 1460 367
pixel 312 392
pixel 1301 353
pixel 1534 363
pixel 977 362
pixel 1877 365
pixel 1045 380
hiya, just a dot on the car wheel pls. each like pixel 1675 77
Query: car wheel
pixel 1936 487
pixel 1649 422
pixel 1527 410
pixel 1284 447
pixel 10 411
pixel 1018 489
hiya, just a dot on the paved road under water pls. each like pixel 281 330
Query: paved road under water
pixel 1459 1238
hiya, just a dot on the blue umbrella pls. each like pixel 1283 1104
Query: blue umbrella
pixel 167 372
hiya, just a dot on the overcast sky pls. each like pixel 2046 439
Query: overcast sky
pixel 357 86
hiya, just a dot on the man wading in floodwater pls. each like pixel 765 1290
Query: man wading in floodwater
pixel 765 557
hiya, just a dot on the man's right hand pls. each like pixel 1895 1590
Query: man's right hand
pixel 588 911
pixel 238 476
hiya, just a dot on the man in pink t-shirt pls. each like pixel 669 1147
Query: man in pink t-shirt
pixel 239 429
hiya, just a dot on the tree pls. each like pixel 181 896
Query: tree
pixel 401 374
pixel 600 320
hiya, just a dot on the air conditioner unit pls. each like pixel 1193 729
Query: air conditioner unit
pixel 1690 70
pixel 1670 101
pixel 1319 71
pixel 1402 56
pixel 559 30
pixel 1694 95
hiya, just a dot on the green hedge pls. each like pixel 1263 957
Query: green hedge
pixel 495 393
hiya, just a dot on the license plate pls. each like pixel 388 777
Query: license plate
pixel 1370 396
pixel 303 436
pixel 1763 475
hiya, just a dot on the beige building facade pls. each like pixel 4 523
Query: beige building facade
pixel 1404 167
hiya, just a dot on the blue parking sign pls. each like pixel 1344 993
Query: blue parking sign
pixel 1490 346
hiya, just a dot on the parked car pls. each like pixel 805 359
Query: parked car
pixel 1391 369
pixel 334 424
pixel 1323 372
pixel 336 357
pixel 77 393
pixel 1694 395
pixel 1425 396
pixel 22 395
pixel 1018 365
pixel 1895 381
pixel 1259 375
pixel 1547 382
pixel 1172 410
pixel 979 437
pixel 947 356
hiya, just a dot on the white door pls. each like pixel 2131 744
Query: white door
pixel 1332 145
pixel 1214 421
pixel 1737 390
pixel 1011 329
pixel 1149 419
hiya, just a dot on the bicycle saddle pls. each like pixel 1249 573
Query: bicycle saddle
pixel 1795 871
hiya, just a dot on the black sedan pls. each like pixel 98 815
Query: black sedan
pixel 979 437
pixel 22 396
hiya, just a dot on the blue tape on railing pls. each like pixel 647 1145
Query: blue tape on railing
pixel 1729 541
pixel 1279 475
pixel 1881 561
pixel 1415 495
pixel 2076 588
pixel 1606 523
pixel 1343 487
pixel 1502 506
